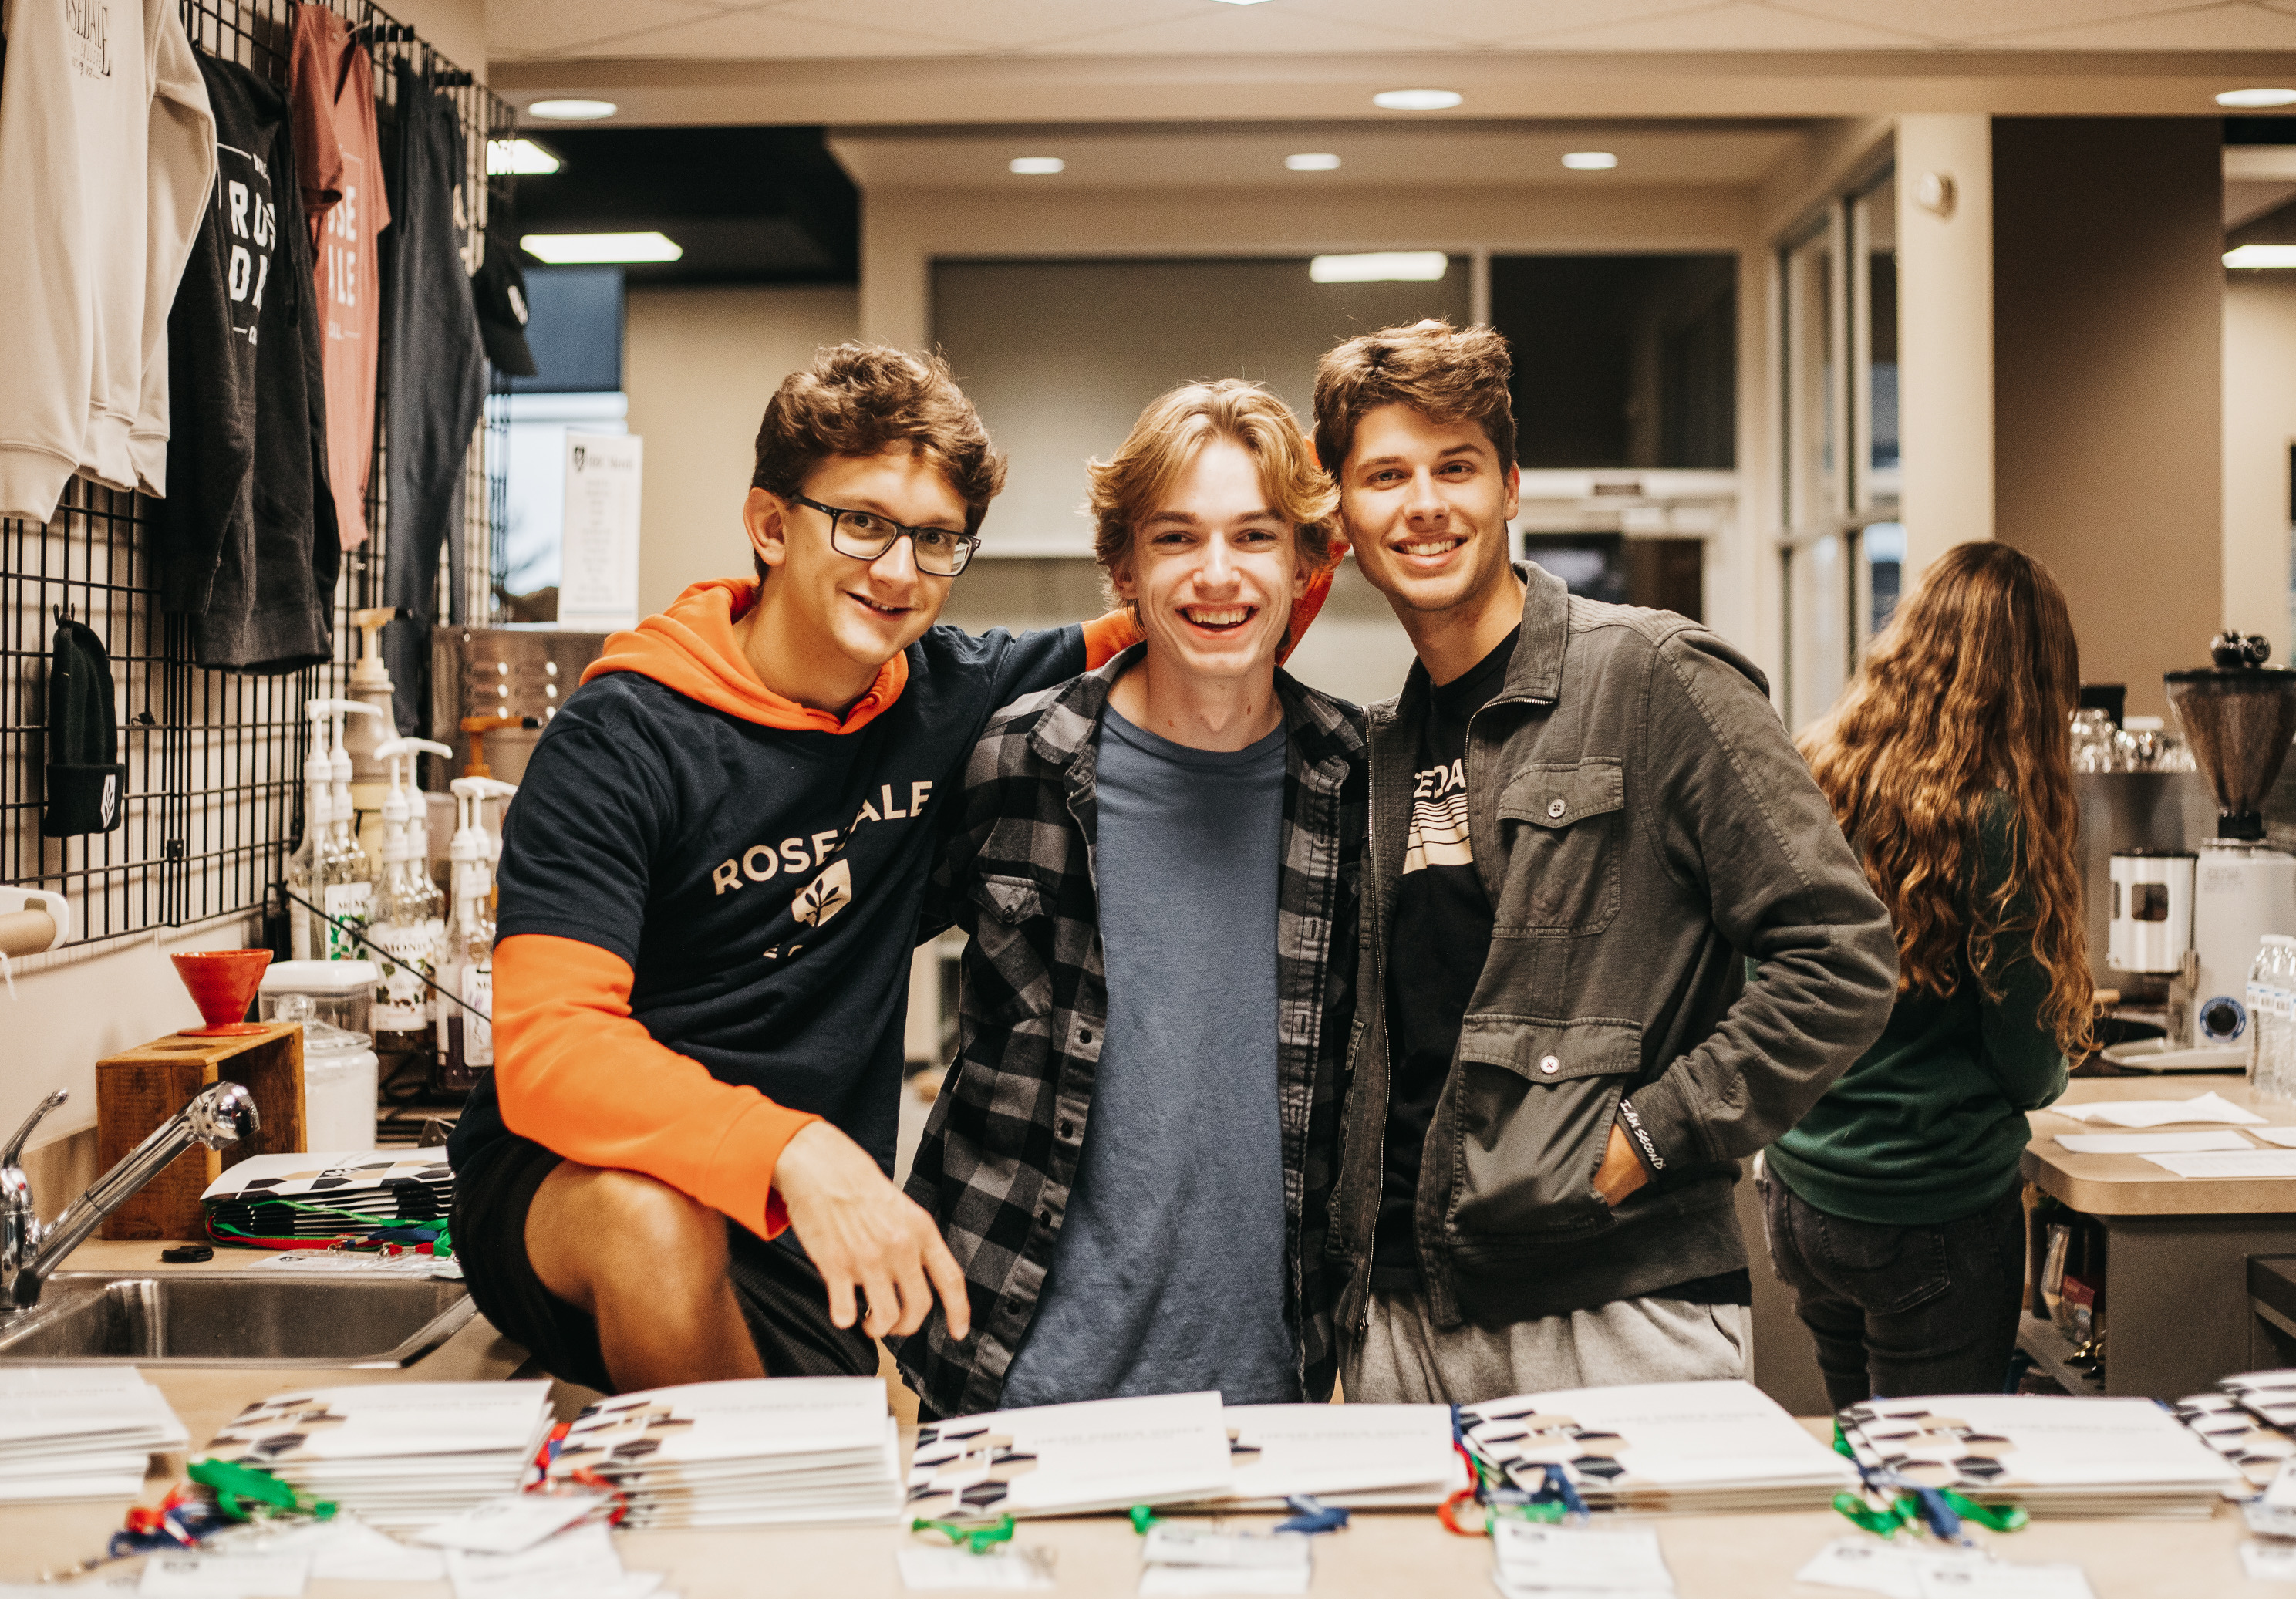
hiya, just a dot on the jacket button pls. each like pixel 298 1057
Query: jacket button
pixel 1555 808
pixel 1067 1128
pixel 1084 1036
pixel 1550 1065
pixel 1045 1217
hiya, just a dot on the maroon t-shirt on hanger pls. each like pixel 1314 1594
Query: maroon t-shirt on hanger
pixel 339 161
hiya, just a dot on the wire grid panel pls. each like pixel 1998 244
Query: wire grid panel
pixel 213 796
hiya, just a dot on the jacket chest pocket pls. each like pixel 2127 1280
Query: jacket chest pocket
pixel 1564 829
pixel 1536 1101
pixel 1007 977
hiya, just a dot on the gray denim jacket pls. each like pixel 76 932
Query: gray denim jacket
pixel 1642 825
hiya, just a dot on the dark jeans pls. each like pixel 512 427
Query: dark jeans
pixel 1902 1311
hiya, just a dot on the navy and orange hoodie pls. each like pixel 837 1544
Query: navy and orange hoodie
pixel 710 895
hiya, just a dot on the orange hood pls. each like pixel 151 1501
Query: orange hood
pixel 691 648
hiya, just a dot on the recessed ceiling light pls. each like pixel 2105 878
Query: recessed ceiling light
pixel 1590 160
pixel 523 156
pixel 1381 267
pixel 2247 100
pixel 1311 163
pixel 2261 255
pixel 566 250
pixel 1037 166
pixel 572 110
pixel 1241 2
pixel 1417 100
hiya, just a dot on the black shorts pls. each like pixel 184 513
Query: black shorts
pixel 781 1297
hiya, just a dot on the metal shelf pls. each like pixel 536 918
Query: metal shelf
pixel 2041 1339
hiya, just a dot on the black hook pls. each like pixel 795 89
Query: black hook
pixel 62 613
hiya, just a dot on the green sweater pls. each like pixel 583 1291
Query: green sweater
pixel 1929 1124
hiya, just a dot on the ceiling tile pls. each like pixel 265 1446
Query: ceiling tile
pixel 1000 25
pixel 1735 25
pixel 1213 29
pixel 1436 22
pixel 519 29
pixel 1956 21
pixel 774 33
pixel 2229 27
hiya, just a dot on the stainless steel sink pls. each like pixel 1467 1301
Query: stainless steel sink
pixel 235 1318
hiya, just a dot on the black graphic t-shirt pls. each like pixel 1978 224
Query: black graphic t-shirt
pixel 1441 938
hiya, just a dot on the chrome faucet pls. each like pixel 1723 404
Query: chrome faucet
pixel 219 1114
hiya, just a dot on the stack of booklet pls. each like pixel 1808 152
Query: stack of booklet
pixel 1182 1451
pixel 749 1454
pixel 2247 1420
pixel 1356 1457
pixel 275 1199
pixel 2065 1456
pixel 79 1433
pixel 396 1454
pixel 1692 1447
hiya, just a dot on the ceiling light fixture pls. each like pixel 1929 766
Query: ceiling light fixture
pixel 593 249
pixel 2251 100
pixel 1590 160
pixel 1240 2
pixel 1311 163
pixel 572 110
pixel 2253 255
pixel 1381 267
pixel 1037 166
pixel 522 156
pixel 1417 100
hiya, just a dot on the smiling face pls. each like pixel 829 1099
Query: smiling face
pixel 1426 505
pixel 1212 569
pixel 852 616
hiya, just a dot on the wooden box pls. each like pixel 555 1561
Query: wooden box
pixel 138 1090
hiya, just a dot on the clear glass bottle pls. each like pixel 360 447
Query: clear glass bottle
pixel 305 877
pixel 2279 1042
pixel 405 934
pixel 348 878
pixel 2258 998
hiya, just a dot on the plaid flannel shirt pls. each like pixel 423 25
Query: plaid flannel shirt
pixel 1000 1153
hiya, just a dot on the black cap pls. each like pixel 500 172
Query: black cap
pixel 500 292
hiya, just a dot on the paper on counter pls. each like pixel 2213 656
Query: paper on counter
pixel 343 1548
pixel 580 1564
pixel 1171 1581
pixel 223 1576
pixel 2002 1579
pixel 2151 1143
pixel 1003 1568
pixel 2211 1106
pixel 2285 1137
pixel 2268 1562
pixel 2246 1164
pixel 510 1523
pixel 1537 1557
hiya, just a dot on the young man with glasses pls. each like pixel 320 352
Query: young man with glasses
pixel 1586 819
pixel 711 886
pixel 1132 1156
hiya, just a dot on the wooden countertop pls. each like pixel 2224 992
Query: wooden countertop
pixel 2132 1185
pixel 1382 1554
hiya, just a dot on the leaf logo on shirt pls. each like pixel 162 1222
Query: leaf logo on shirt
pixel 824 895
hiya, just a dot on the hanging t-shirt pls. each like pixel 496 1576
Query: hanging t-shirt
pixel 338 167
pixel 247 534
pixel 1436 952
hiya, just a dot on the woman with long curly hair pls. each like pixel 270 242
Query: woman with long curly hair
pixel 1892 1208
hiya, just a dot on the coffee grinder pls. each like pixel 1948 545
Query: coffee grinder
pixel 2238 716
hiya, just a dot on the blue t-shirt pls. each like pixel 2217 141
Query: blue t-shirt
pixel 1168 1273
pixel 765 939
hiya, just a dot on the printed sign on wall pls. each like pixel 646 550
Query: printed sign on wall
pixel 598 580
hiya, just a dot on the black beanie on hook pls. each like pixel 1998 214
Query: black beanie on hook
pixel 84 775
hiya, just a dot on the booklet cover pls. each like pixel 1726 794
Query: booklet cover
pixel 767 1417
pixel 1059 1459
pixel 2014 1443
pixel 1335 1451
pixel 387 1421
pixel 1665 1439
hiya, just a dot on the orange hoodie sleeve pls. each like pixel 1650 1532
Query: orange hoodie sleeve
pixel 579 1075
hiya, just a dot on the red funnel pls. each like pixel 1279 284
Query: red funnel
pixel 222 981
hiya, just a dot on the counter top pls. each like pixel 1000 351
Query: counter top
pixel 2132 1185
pixel 1382 1554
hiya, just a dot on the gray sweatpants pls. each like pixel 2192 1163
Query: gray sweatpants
pixel 1401 1357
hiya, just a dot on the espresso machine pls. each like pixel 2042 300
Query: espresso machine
pixel 2239 716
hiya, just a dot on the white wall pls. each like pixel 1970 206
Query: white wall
pixel 2259 424
pixel 75 1006
pixel 455 28
pixel 699 366
pixel 1944 347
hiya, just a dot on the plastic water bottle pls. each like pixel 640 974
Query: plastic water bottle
pixel 2277 1047
pixel 2258 996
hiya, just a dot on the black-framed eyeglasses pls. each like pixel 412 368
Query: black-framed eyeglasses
pixel 864 536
